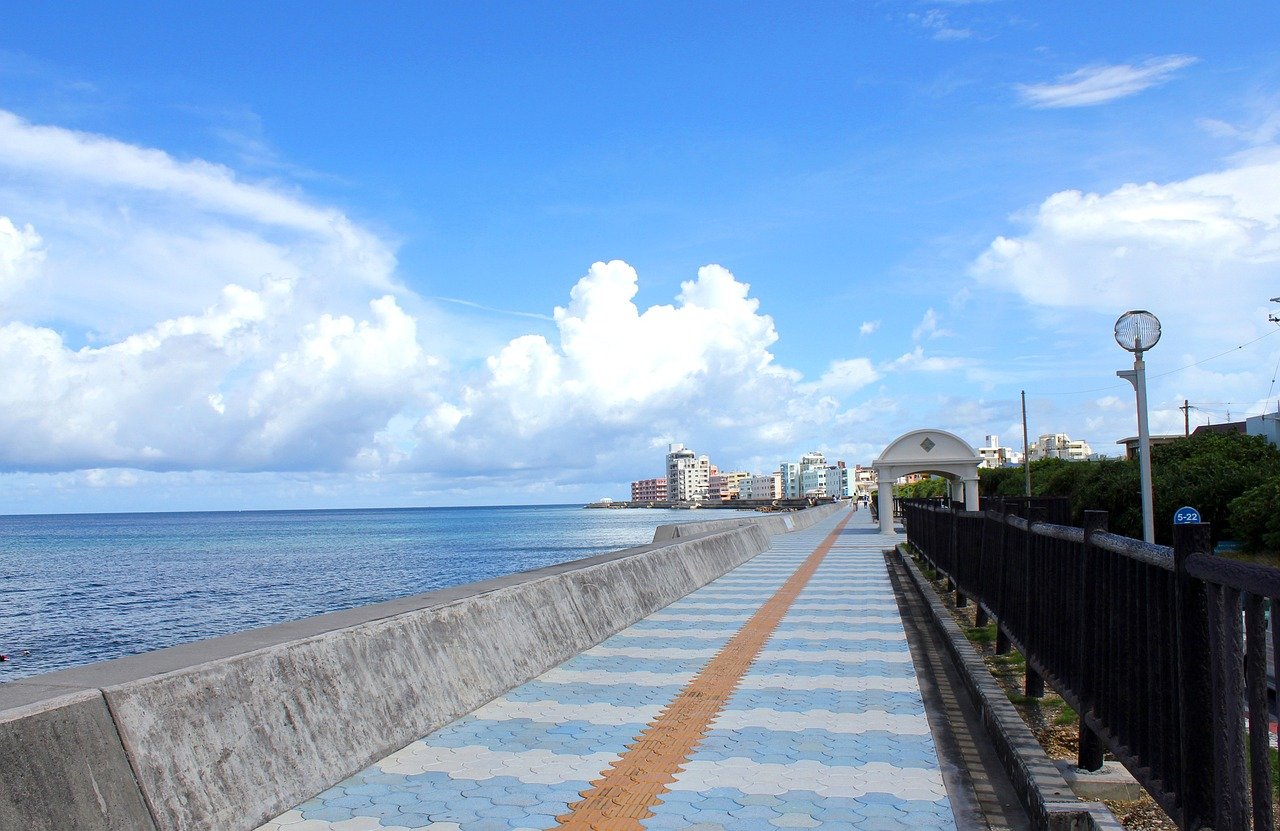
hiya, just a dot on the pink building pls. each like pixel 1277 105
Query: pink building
pixel 649 490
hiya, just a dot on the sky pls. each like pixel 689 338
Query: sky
pixel 300 255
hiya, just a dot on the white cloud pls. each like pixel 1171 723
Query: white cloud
pixel 928 327
pixel 938 24
pixel 134 235
pixel 916 360
pixel 1198 252
pixel 848 375
pixel 1100 84
pixel 617 377
pixel 869 327
pixel 20 255
pixel 227 389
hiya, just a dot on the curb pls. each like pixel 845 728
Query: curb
pixel 1041 787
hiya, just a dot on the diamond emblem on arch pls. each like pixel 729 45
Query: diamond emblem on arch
pixel 928 444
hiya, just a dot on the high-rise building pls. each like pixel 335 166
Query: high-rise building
pixel 789 473
pixel 837 483
pixel 688 475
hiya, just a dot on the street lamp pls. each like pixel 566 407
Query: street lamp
pixel 1136 331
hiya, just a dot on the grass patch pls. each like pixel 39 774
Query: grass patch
pixel 1066 717
pixel 1011 660
pixel 982 634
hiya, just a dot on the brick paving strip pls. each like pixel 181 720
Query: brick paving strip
pixel 619 799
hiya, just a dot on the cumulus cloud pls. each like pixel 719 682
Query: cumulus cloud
pixel 223 389
pixel 1099 84
pixel 1158 246
pixel 616 376
pixel 869 327
pixel 20 255
pixel 171 318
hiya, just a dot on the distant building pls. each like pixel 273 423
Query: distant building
pixel 1226 427
pixel 993 455
pixel 726 487
pixel 688 475
pixel 813 474
pixel 767 486
pixel 1060 446
pixel 1131 443
pixel 1267 426
pixel 837 483
pixel 862 481
pixel 789 472
pixel 649 490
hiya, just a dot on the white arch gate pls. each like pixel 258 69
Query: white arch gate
pixel 927 451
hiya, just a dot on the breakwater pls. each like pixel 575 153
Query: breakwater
pixel 225 733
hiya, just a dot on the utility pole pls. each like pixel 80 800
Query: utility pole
pixel 1026 455
pixel 1186 418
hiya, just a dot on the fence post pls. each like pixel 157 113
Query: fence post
pixel 961 600
pixel 1090 756
pixel 1033 683
pixel 1002 640
pixel 1195 698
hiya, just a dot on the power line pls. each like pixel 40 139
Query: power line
pixel 1170 372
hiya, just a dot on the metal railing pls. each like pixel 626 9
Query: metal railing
pixel 1162 651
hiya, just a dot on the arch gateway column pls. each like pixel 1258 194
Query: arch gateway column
pixel 926 451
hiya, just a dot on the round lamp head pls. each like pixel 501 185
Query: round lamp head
pixel 1137 330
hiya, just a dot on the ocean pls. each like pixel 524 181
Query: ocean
pixel 79 588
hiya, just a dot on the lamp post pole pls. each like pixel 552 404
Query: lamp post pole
pixel 1137 331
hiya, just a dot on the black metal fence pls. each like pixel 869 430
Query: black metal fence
pixel 1162 651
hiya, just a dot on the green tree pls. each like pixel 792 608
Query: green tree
pixel 933 486
pixel 1255 517
pixel 1206 472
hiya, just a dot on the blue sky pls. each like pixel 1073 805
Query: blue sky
pixel 426 254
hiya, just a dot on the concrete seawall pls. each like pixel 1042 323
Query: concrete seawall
pixel 780 522
pixel 228 732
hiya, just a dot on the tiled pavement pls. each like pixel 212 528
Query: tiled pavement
pixel 825 728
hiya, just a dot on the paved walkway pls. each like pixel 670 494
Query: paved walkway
pixel 782 695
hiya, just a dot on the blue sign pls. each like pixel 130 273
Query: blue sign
pixel 1185 516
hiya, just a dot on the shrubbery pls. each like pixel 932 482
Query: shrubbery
pixel 1207 472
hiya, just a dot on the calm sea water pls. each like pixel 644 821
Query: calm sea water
pixel 87 587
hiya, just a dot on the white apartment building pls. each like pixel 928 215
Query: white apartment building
pixel 813 481
pixel 688 475
pixel 1059 446
pixel 767 486
pixel 838 481
pixel 993 455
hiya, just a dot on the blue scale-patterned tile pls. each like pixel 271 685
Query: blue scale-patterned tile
pixel 818 645
pixel 627 695
pixel 837 701
pixel 840 669
pixel 889 628
pixel 572 738
pixel 592 663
